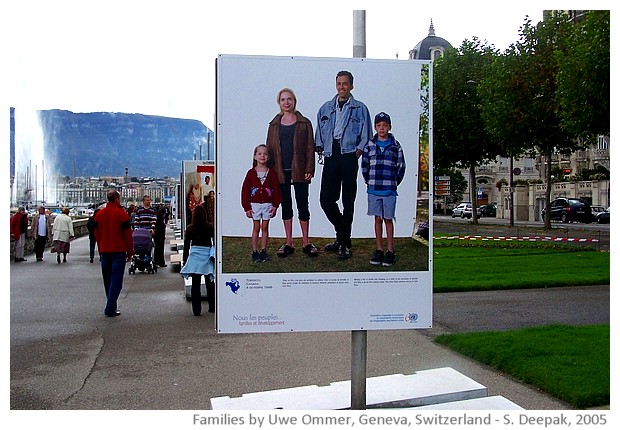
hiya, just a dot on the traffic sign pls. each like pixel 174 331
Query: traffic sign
pixel 442 185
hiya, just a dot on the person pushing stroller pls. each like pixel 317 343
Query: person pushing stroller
pixel 142 258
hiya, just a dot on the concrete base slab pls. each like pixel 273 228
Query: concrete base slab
pixel 484 403
pixel 425 387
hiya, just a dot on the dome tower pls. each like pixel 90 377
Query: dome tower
pixel 430 47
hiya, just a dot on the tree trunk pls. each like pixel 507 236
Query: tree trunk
pixel 473 193
pixel 548 190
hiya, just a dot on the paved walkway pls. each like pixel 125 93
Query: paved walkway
pixel 66 355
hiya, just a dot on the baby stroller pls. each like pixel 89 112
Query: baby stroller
pixel 142 252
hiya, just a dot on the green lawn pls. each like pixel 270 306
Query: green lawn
pixel 491 266
pixel 570 363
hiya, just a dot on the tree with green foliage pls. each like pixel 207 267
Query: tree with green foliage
pixel 519 96
pixel 583 77
pixel 460 137
pixel 423 130
pixel 503 94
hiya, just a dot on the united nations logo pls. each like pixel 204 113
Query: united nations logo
pixel 412 317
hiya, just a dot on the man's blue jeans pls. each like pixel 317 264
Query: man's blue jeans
pixel 113 270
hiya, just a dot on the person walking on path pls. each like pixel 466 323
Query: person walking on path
pixel 291 140
pixel 115 242
pixel 146 216
pixel 160 238
pixel 131 211
pixel 199 258
pixel 343 128
pixel 63 234
pixel 92 241
pixel 41 232
pixel 19 227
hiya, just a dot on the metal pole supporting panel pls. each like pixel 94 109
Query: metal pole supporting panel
pixel 359 338
pixel 359 347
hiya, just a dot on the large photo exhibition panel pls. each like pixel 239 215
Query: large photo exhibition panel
pixel 268 301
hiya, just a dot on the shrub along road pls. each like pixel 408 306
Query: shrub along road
pixel 595 235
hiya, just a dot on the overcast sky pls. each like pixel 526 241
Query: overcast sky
pixel 157 57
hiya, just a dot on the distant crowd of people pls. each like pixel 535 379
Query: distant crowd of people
pixel 42 230
pixel 109 229
pixel 56 229
pixel 154 219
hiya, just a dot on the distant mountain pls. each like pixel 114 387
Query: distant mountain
pixel 105 143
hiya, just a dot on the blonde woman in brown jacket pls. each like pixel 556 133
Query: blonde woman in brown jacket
pixel 291 139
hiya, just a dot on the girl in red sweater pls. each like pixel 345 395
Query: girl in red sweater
pixel 260 198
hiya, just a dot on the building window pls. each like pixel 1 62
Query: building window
pixel 602 142
pixel 436 53
pixel 503 164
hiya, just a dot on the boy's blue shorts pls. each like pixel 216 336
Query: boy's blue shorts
pixel 382 206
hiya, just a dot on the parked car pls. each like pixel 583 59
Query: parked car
pixel 463 210
pixel 569 210
pixel 489 210
pixel 467 212
pixel 596 210
pixel 602 217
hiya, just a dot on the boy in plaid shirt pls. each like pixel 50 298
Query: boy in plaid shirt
pixel 383 169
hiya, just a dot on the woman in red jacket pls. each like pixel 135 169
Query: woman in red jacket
pixel 19 227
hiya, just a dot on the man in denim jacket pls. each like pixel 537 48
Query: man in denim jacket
pixel 343 128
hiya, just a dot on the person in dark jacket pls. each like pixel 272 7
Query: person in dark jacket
pixel 160 238
pixel 92 241
pixel 198 258
pixel 41 231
